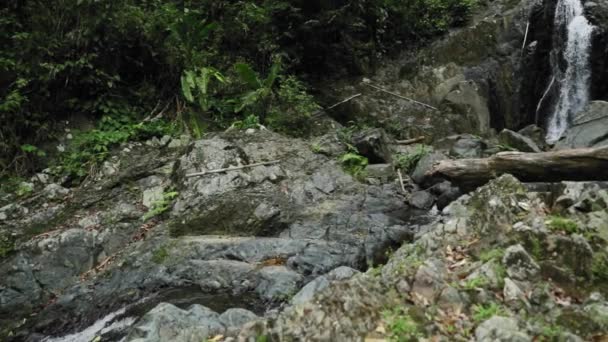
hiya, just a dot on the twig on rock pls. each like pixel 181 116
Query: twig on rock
pixel 232 168
pixel 367 83
pixel 336 105
pixel 401 181
pixel 409 141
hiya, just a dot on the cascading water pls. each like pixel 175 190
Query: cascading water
pixel 570 23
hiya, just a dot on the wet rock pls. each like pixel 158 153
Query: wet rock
pixel 520 265
pixel 589 128
pixel 373 144
pixel 501 329
pixel 517 141
pixel 167 322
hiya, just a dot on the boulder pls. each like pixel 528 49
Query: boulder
pixel 422 200
pixel 520 265
pixel 278 283
pixel 425 164
pixel 468 146
pixel 500 329
pixel 589 129
pixel 233 319
pixel 535 133
pixel 167 322
pixel 517 141
pixel 373 144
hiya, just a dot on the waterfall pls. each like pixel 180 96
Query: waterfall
pixel 570 23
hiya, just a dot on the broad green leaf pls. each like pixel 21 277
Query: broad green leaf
pixel 248 75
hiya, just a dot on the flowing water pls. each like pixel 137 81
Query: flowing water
pixel 571 26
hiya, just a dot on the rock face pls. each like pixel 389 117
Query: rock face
pixel 518 141
pixel 494 267
pixel 263 231
pixel 472 76
pixel 589 129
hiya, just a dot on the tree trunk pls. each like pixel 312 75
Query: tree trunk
pixel 584 164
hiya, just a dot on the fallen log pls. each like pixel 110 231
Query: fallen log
pixel 585 164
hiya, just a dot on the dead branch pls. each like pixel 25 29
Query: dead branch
pixel 366 82
pixel 232 168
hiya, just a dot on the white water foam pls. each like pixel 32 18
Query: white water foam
pixel 574 83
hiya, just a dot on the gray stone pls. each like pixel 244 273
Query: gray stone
pixel 109 169
pixel 384 172
pixel 450 299
pixel 152 196
pixel 342 273
pixel 421 200
pixel 589 129
pixel 468 147
pixel 512 293
pixel 425 164
pixel 308 291
pixel 517 141
pixel 55 191
pixel 278 283
pixel 164 141
pixel 500 329
pixel 167 322
pixel 428 281
pixel 520 265
pixel 234 319
pixel 535 133
pixel 466 98
pixel 373 144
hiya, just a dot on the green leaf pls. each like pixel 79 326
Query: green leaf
pixel 248 75
pixel 186 89
pixel 272 75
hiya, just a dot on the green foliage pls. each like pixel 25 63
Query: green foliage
pixel 407 162
pixel 196 86
pixel 400 326
pixel 251 121
pixel 474 283
pixel 24 189
pixel 599 266
pixel 292 112
pixel 354 163
pixel 160 255
pixel 227 59
pixel 496 253
pixel 562 224
pixel 484 312
pixel 7 245
pixel 161 206
pixel 550 333
pixel 89 148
